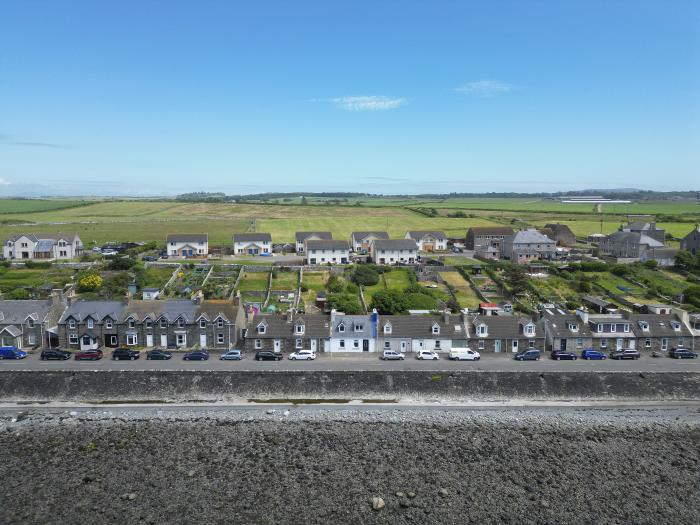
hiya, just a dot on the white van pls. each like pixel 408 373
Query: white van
pixel 464 354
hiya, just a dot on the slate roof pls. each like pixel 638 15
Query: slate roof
pixel 11 329
pixel 302 236
pixel 350 322
pixel 531 236
pixel 277 326
pixel 187 237
pixel 395 244
pixel 176 308
pixel 327 245
pixel 252 237
pixel 97 310
pixel 659 325
pixel 213 308
pixel 557 325
pixel 17 311
pixel 417 235
pixel 559 228
pixel 421 327
pixel 501 326
pixel 633 238
pixel 35 237
pixel 360 236
pixel 491 230
pixel 140 310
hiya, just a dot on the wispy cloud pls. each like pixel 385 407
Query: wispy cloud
pixel 365 103
pixel 8 140
pixel 4 182
pixel 484 88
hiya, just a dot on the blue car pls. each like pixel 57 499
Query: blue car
pixel 11 352
pixel 232 355
pixel 196 355
pixel 591 354
pixel 528 355
pixel 558 355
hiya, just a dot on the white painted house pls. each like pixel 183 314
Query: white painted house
pixel 394 251
pixel 187 244
pixel 327 252
pixel 428 241
pixel 352 333
pixel 252 243
pixel 362 241
pixel 29 246
pixel 302 237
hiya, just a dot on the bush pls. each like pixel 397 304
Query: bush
pixel 334 285
pixel 365 276
pixel 621 270
pixel 350 304
pixel 90 283
pixel 38 265
pixel 390 302
pixel 17 293
pixel 121 263
pixel 304 288
pixel 652 264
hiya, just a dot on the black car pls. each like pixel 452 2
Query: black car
pixel 125 353
pixel 148 258
pixel 158 354
pixel 628 353
pixel 55 353
pixel 682 353
pixel 266 355
pixel 560 355
pixel 196 355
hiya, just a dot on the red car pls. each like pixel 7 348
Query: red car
pixel 92 355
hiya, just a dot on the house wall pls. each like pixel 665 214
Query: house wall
pixel 394 256
pixel 242 247
pixel 175 248
pixel 327 256
pixel 490 344
pixel 349 338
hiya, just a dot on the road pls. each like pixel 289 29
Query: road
pixel 355 362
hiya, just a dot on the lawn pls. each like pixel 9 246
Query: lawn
pixel 466 297
pixel 554 288
pixel 12 279
pixel 254 281
pixel 397 279
pixel 154 277
pixel 285 280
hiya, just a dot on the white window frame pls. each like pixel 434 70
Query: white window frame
pixel 387 345
pixel 163 323
pixel 299 343
pixel 341 343
pixel 132 339
pixel 181 323
pixel 202 323
pixel 647 342
pixel 131 323
pixel 71 324
pixel 73 339
pixel 148 323
pixel 437 344
pixel 220 323
pixel 220 338
pixel 261 328
pixel 341 328
pixel 31 339
pixel 90 323
pixel 356 343
pixel 359 327
pixel 258 344
pixel 481 345
pixel 299 329
pixel 626 328
pixel 30 323
pixel 664 343
pixel 387 328
pixel 604 342
pixel 531 343
pixel 436 329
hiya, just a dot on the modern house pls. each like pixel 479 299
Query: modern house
pixel 503 333
pixel 361 241
pixel 327 252
pixel 413 333
pixel 252 243
pixel 302 237
pixel 561 234
pixel 528 245
pixel 30 246
pixel 394 251
pixel 187 244
pixel 487 240
pixel 428 241
pixel 691 242
pixel 287 333
pixel 29 324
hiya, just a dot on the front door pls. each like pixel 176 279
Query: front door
pixel 203 340
pixel 632 343
pixel 403 346
pixel 86 343
pixel 497 345
pixel 562 344
pixel 313 345
pixel 164 340
pixel 149 340
pixel 619 343
pixel 278 345
pixel 365 345
pixel 515 345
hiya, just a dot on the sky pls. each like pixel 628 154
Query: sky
pixel 398 97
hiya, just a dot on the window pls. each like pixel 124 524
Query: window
pixel 31 339
pixel 482 329
pixel 90 323
pixel 600 327
pixel 73 339
pixel 261 328
pixel 341 328
pixel 481 345
pixel 356 343
pixel 626 327
pixel 530 329
pixel 387 345
pixel 163 323
pixel 202 323
pixel 613 327
pixel 531 344
pixel 219 339
pixel 71 323
pixel 131 339
pixel 664 343
pixel 573 327
pixel 579 343
pixel 108 324
pixel 258 343
pixel 603 343
pixel 300 328
pixel 181 339
pixel 148 323
pixel 220 322
pixel 647 342
pixel 681 341
pixel 30 322
pixel 437 345
pixel 436 329
pixel 359 327
pixel 341 343
pixel 387 328
pixel 298 343
pixel 181 323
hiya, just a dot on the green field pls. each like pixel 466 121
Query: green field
pixel 285 281
pixel 156 277
pixel 18 282
pixel 254 281
pixel 466 297
pixel 34 205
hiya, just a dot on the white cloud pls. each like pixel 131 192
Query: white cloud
pixel 484 88
pixel 368 103
pixel 4 182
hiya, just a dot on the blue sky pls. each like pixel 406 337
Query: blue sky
pixel 161 97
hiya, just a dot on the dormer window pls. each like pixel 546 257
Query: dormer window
pixel 71 323
pixel 482 330
pixel 626 327
pixel 299 328
pixel 108 324
pixel 202 323
pixel 262 328
pixel 436 328
pixel 132 323
pixel 181 323
pixel 163 323
pixel 600 328
pixel 341 328
pixel 613 327
pixel 530 329
pixel 148 323
pixel 220 322
pixel 573 327
pixel 387 328
pixel 90 323
pixel 30 322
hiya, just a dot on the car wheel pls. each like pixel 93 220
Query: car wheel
pixel 537 358
pixel 400 358
pixel 435 358
pixel 477 358
pixel 257 359
pixel 558 358
pixel 187 358
pixel 294 358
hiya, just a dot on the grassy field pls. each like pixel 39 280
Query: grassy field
pixel 314 282
pixel 254 281
pixel 12 279
pixel 466 297
pixel 156 277
pixel 285 281
pixel 35 205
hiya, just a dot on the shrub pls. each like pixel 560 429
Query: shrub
pixel 304 288
pixel 334 285
pixel 365 276
pixel 90 283
pixel 390 302
pixel 652 264
pixel 121 263
pixel 38 265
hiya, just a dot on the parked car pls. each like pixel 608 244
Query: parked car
pixel 528 355
pixel 55 353
pixel 267 355
pixel 682 353
pixel 158 354
pixel 88 355
pixel 463 354
pixel 125 353
pixel 303 354
pixel 196 355
pixel 12 352
pixel 148 258
pixel 560 355
pixel 427 354
pixel 109 252
pixel 591 354
pixel 232 355
pixel 629 353
pixel 391 355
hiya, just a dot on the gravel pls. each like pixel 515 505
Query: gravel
pixel 350 465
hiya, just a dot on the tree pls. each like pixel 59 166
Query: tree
pixel 652 264
pixel 304 201
pixel 121 263
pixel 90 283
pixel 365 276
pixel 350 304
pixel 390 302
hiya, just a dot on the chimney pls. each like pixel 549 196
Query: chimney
pixel 57 298
pixel 446 316
pixel 334 312
pixel 582 313
pixel 289 315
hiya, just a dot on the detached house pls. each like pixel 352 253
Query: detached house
pixel 302 237
pixel 394 251
pixel 528 245
pixel 252 243
pixel 29 246
pixel 503 333
pixel 691 242
pixel 636 246
pixel 287 333
pixel 428 241
pixel 413 333
pixel 362 241
pixel 187 244
pixel 28 323
pixel 487 241
pixel 561 234
pixel 327 252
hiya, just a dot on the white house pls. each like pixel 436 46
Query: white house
pixel 352 333
pixel 362 241
pixel 428 241
pixel 302 237
pixel 413 333
pixel 187 244
pixel 252 243
pixel 42 246
pixel 151 293
pixel 394 251
pixel 324 252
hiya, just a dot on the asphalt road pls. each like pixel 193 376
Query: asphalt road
pixel 355 362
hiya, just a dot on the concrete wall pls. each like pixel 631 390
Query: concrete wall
pixel 164 385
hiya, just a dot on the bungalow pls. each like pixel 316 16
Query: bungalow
pixel 187 244
pixel 30 246
pixel 29 323
pixel 413 333
pixel 252 243
pixel 302 237
pixel 428 241
pixel 394 251
pixel 362 241
pixel 503 333
pixel 327 252
pixel 287 333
